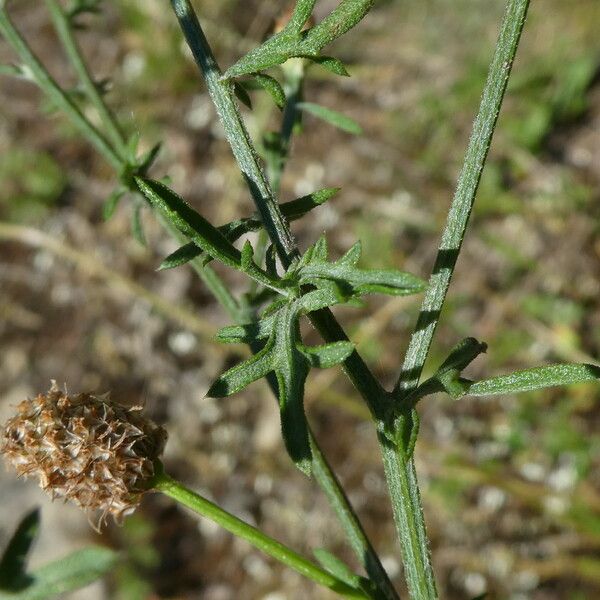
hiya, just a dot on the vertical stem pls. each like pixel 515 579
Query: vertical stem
pixel 278 230
pixel 399 467
pixel 221 93
pixel 73 52
pixel 178 492
pixel 464 197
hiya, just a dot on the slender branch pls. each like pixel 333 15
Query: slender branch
pixel 464 197
pixel 221 93
pixel 44 80
pixel 399 465
pixel 279 233
pixel 73 52
pixel 177 491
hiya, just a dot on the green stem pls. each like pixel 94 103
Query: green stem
pixel 409 519
pixel 464 197
pixel 178 492
pixel 278 230
pixel 221 93
pixel 399 467
pixel 73 52
pixel 46 82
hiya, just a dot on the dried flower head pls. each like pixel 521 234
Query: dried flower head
pixel 84 448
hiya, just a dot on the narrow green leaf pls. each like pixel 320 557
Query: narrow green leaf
pixel 321 298
pixel 182 255
pixel 300 206
pixel 337 567
pixel 327 355
pixel 535 379
pixel 272 87
pixel 292 42
pixel 331 64
pixel 14 558
pixel 67 574
pixel 238 377
pixel 132 147
pixel 249 267
pixel 320 250
pixel 333 117
pixel 302 12
pixel 108 210
pixel 363 281
pixel 463 354
pixel 189 222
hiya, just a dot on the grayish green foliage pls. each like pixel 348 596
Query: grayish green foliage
pixel 292 41
pixel 318 284
pixel 235 229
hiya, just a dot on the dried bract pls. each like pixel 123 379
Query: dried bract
pixel 84 448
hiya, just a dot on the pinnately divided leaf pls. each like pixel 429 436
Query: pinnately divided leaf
pixel 292 41
pixel 289 359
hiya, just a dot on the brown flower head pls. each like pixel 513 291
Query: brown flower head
pixel 84 448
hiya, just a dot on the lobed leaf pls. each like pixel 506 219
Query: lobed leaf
pixel 292 41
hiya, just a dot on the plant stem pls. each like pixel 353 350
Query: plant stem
pixel 278 230
pixel 73 52
pixel 409 519
pixel 48 85
pixel 221 93
pixel 464 197
pixel 323 471
pixel 45 81
pixel 399 468
pixel 178 492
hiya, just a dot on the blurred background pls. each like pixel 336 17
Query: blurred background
pixel 511 486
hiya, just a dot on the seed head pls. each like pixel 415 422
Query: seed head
pixel 84 448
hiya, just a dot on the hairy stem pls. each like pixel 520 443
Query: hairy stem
pixel 323 472
pixel 399 465
pixel 464 197
pixel 201 506
pixel 279 233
